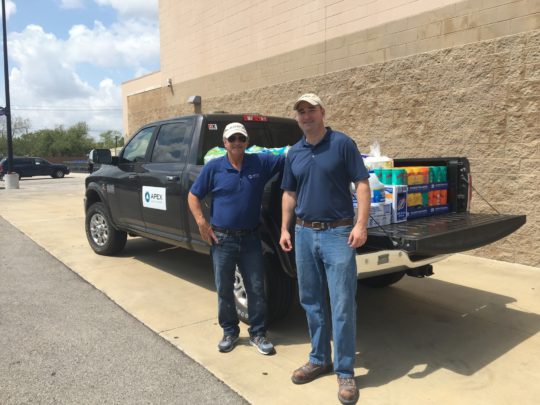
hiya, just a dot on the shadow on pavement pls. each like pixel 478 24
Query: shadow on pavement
pixel 413 328
pixel 430 324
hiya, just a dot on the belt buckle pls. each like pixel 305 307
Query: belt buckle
pixel 318 226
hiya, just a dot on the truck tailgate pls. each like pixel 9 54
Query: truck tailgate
pixel 442 234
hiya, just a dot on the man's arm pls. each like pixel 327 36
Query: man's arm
pixel 206 231
pixel 358 235
pixel 288 202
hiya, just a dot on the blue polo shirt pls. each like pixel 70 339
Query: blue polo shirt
pixel 321 176
pixel 236 195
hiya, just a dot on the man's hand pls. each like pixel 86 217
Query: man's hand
pixel 207 233
pixel 285 241
pixel 358 236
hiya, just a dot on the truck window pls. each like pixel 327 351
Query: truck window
pixel 284 134
pixel 213 136
pixel 135 150
pixel 171 145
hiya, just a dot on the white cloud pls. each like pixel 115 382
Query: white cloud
pixel 46 79
pixel 128 43
pixel 47 90
pixel 11 9
pixel 146 9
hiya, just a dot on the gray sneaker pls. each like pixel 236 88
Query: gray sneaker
pixel 262 344
pixel 227 343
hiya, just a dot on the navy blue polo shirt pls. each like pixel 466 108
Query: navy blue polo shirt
pixel 236 195
pixel 321 175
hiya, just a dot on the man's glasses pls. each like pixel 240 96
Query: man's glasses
pixel 239 138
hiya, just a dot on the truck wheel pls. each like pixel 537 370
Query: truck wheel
pixel 382 281
pixel 103 238
pixel 58 174
pixel 279 289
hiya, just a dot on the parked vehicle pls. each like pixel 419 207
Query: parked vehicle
pixel 144 191
pixel 33 166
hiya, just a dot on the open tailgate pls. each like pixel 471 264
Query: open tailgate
pixel 443 234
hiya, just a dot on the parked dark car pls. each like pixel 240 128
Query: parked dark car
pixel 33 166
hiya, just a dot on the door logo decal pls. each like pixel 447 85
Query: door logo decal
pixel 154 197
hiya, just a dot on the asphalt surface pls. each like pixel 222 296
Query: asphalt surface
pixel 62 341
pixel 115 329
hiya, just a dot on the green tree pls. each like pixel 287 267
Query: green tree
pixel 73 141
pixel 111 139
pixel 19 126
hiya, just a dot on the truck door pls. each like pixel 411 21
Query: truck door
pixel 164 201
pixel 126 207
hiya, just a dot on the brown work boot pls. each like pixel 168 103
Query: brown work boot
pixel 347 393
pixel 309 371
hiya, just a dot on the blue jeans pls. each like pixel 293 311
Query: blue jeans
pixel 246 252
pixel 326 267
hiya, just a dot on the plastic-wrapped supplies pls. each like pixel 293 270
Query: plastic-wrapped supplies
pixel 375 160
pixel 377 188
pixel 214 153
pixel 218 152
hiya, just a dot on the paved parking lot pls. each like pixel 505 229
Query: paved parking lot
pixel 64 342
pixel 467 335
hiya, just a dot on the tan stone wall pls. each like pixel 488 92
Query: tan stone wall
pixel 205 37
pixel 480 100
pixel 140 85
pixel 339 34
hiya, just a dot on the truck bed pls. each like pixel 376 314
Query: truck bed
pixel 444 234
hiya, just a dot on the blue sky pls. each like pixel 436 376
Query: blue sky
pixel 68 58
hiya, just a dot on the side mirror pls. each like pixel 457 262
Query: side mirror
pixel 100 156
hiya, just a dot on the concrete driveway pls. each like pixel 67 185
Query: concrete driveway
pixel 467 335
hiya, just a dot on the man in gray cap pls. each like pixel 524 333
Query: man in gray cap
pixel 318 173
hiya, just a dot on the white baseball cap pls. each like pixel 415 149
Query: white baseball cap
pixel 234 128
pixel 310 98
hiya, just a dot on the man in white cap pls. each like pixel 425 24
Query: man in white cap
pixel 236 182
pixel 316 182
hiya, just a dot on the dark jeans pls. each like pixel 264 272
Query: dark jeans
pixel 246 252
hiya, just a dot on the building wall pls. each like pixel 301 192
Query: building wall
pixel 459 80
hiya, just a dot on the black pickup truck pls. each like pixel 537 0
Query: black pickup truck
pixel 143 192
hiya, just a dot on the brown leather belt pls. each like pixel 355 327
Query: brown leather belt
pixel 321 226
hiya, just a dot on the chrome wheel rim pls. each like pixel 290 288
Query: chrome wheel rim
pixel 239 288
pixel 99 229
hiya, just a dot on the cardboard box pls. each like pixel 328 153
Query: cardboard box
pixel 380 220
pixel 380 209
pixel 396 195
pixel 418 212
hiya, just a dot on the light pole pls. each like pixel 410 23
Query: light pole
pixel 12 179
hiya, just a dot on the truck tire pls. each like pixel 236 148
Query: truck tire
pixel 382 281
pixel 103 238
pixel 279 289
